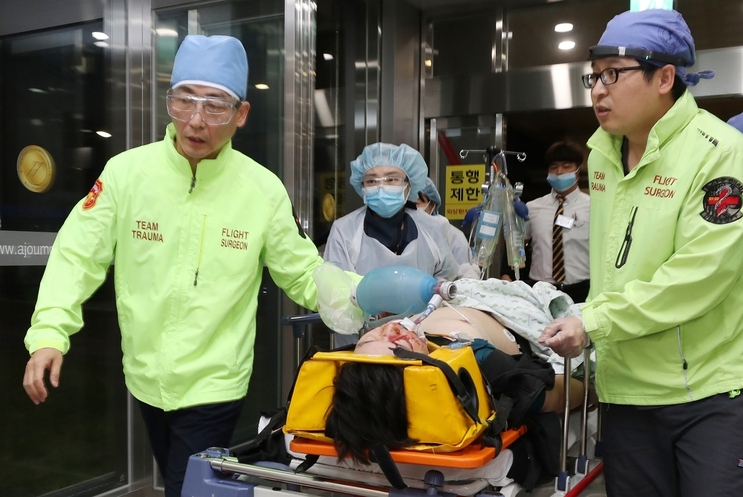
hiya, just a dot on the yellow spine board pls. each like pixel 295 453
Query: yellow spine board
pixel 436 417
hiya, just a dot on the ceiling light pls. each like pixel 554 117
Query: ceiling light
pixel 327 56
pixel 428 62
pixel 566 45
pixel 104 134
pixel 261 86
pixel 99 36
pixel 563 27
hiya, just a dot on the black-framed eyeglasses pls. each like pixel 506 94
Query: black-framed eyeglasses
pixel 608 76
pixel 215 111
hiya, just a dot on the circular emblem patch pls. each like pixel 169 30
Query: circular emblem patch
pixel 35 168
pixel 722 200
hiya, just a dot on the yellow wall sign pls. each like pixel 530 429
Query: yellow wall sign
pixel 462 190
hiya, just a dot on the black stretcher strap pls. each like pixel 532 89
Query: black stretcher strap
pixel 381 455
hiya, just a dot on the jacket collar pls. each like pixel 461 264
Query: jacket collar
pixel 207 168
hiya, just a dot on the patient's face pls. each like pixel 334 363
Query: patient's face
pixel 382 340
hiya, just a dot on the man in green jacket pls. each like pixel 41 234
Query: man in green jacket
pixel 665 310
pixel 191 223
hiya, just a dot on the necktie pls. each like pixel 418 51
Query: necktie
pixel 558 255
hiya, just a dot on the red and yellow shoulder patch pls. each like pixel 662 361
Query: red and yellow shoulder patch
pixel 93 194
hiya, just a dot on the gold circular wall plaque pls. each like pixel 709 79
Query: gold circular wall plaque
pixel 328 207
pixel 36 168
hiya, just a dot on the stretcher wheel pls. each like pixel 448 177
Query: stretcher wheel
pixel 434 478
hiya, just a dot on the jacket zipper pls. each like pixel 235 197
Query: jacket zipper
pixel 684 364
pixel 201 244
pixel 627 243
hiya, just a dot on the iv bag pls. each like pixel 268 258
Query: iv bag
pixel 489 226
pixel 513 232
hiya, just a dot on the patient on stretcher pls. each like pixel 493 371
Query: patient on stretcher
pixel 369 408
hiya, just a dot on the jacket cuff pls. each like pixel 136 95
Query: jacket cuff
pixel 52 344
pixel 591 323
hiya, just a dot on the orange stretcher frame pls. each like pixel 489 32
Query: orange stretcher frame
pixel 471 457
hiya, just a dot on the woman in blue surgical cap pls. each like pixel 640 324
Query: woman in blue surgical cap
pixel 389 229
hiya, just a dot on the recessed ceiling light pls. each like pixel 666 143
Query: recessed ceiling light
pixel 104 134
pixel 566 45
pixel 261 86
pixel 99 36
pixel 563 27
pixel 327 56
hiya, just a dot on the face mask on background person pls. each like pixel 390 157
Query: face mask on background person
pixel 562 182
pixel 424 207
pixel 384 200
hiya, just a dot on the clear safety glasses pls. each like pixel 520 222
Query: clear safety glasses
pixel 384 181
pixel 608 76
pixel 214 111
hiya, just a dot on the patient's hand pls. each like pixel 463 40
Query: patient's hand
pixel 566 336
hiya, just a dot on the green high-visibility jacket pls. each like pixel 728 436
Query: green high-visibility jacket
pixel 666 258
pixel 189 252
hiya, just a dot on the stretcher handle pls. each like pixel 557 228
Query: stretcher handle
pixel 300 322
pixel 287 477
pixel 566 419
pixel 583 456
pixel 561 482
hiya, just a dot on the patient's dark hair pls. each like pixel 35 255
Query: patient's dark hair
pixel 368 410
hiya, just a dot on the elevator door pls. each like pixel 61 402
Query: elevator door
pixel 54 141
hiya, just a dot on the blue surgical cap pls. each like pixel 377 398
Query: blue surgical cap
pixel 216 61
pixel 736 122
pixel 656 36
pixel 385 154
pixel 430 191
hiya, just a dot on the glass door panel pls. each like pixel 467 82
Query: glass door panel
pixel 54 143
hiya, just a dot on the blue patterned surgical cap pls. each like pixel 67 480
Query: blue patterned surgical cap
pixel 216 61
pixel 385 154
pixel 656 36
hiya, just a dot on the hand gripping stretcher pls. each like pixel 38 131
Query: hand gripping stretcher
pixel 471 471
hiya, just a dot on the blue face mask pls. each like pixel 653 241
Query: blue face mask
pixel 562 182
pixel 384 200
